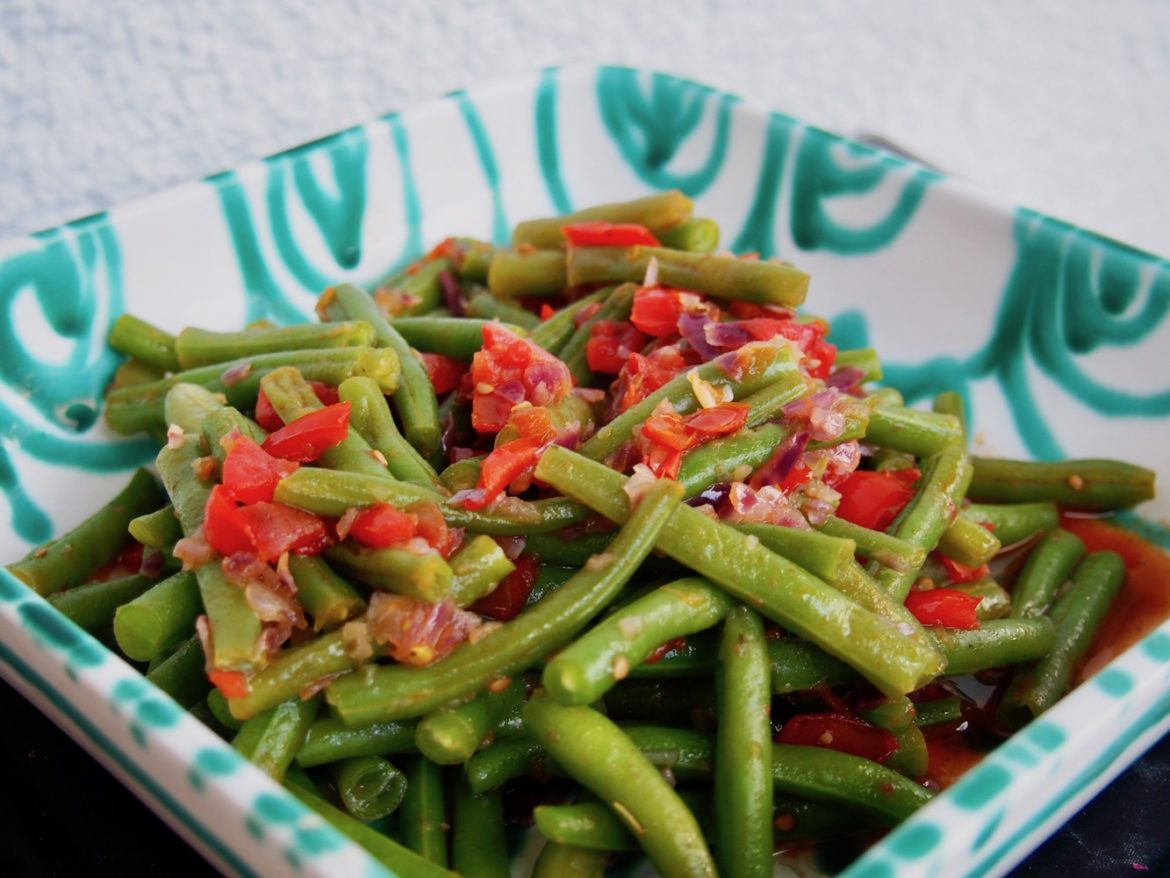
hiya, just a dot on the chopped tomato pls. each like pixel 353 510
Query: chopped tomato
pixel 944 606
pixel 610 343
pixel 532 422
pixel 656 312
pixel 959 573
pixel 797 476
pixel 509 370
pixel 500 468
pixel 873 499
pixel 909 474
pixel 546 311
pixel 267 417
pixel 225 528
pixel 277 529
pixel 834 731
pixel 668 430
pixel 509 597
pixel 251 474
pixel 445 372
pixel 433 528
pixel 311 435
pixel 233 684
pixel 664 649
pixel 641 376
pixel 383 525
pixel 669 435
pixel 603 234
pixel 718 420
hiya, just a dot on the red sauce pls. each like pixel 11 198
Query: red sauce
pixel 1141 606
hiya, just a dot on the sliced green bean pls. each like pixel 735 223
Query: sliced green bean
pixel 371 417
pixel 133 372
pixel 950 402
pixel 938 711
pixel 92 606
pixel 157 619
pixel 698 235
pixel 818 553
pixel 658 213
pixel 478 846
pixel 995 644
pixel 158 529
pixel 599 756
pixel 567 551
pixel 865 359
pixel 422 820
pixel 427 577
pixel 572 412
pixel 887 549
pixel 417 291
pixel 912 431
pixel 566 861
pixel 527 272
pixel 896 715
pixel 327 598
pixel 505 760
pixel 458 337
pixel 369 787
pixel 217 705
pixel 798 666
pixel 70 559
pixel 1050 564
pixel 589 825
pixel 147 343
pixel 743 769
pixel 616 307
pixel 452 735
pixel 723 460
pixel 329 740
pixel 1079 484
pixel 477 569
pixel 181 674
pixel 391 692
pixel 292 670
pixel 202 347
pixel 485 306
pixel 968 542
pixel 1013 523
pixel 994 601
pixel 270 740
pixel 556 330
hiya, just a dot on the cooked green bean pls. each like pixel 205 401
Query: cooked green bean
pixel 329 740
pixel 658 213
pixel 292 670
pixel 994 644
pixel 722 460
pixel 157 529
pixel 452 735
pixel 478 846
pixel 915 432
pixel 181 674
pixel 422 822
pixel 270 740
pixel 566 861
pixel 1013 523
pixel 842 779
pixel 157 619
pixel 666 702
pixel 616 307
pixel 427 577
pixel 567 551
pixel 327 598
pixel 896 715
pixel 202 347
pixel 556 330
pixel 485 306
pixel 698 235
pixel 818 553
pixel 1079 484
pixel 138 339
pixel 476 569
pixel 865 359
pixel 371 417
pixel 92 606
pixel 887 549
pixel 505 760
pixel 1050 564
pixel 938 711
pixel 527 272
pixel 570 414
pixel 994 601
pixel 418 291
pixel 968 542
pixel 695 658
pixel 217 706
pixel 369 787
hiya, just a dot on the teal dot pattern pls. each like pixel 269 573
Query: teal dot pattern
pixel 358 205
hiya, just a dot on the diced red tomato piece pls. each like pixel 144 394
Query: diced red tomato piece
pixel 873 499
pixel 910 474
pixel 603 234
pixel 641 375
pixel 267 417
pixel 656 312
pixel 509 370
pixel 718 420
pixel 433 528
pixel 500 468
pixel 960 573
pixel 225 528
pixel 251 474
pixel 233 684
pixel 945 607
pixel 509 597
pixel 533 422
pixel 669 435
pixel 610 344
pixel 797 476
pixel 311 435
pixel 546 311
pixel 834 731
pixel 445 372
pixel 277 529
pixel 667 430
pixel 383 525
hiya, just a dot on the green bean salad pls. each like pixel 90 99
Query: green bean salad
pixel 595 532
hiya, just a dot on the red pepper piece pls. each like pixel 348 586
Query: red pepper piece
pixel 233 684
pixel 945 607
pixel 251 474
pixel 602 234
pixel 267 417
pixel 835 731
pixel 432 527
pixel 610 344
pixel 509 597
pixel 383 525
pixel 224 527
pixel 873 499
pixel 311 435
pixel 445 372
pixel 500 468
pixel 959 573
pixel 656 312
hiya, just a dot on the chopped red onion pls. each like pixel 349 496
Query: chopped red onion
pixel 236 374
pixel 846 379
pixel 513 546
pixel 452 293
pixel 784 458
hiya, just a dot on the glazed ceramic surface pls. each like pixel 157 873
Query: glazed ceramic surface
pixel 1057 338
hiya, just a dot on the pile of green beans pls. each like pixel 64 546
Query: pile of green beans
pixel 658 649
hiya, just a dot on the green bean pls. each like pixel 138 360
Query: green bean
pixel 133 372
pixel 427 577
pixel 92 606
pixel 327 598
pixel 458 337
pixel 138 339
pixel 371 417
pixel 723 460
pixel 140 408
pixel 689 755
pixel 472 259
pixel 505 760
pixel 743 769
pixel 658 213
pixel 478 846
pixel 217 705
pixel 572 412
pixel 583 671
pixel 157 529
pixel 912 431
pixel 696 657
pixel 220 422
pixel 414 397
pixel 835 778
pixel 1013 523
pixel 398 859
pixel 548 580
pixel 527 272
pixel 798 665
pixel 818 553
pixel 589 825
pixel 865 359
pixel 187 405
pixel 929 514
pixel 391 692
pixel 1049 565
pixel 452 735
pixel 994 601
pixel 698 235
pixel 994 644
pixel 896 715
pixel 1079 484
pixel 556 330
pixel 950 402
pixel 202 347
pixel 157 619
pixel 418 291
pixel 270 740
pixel 181 674
pixel 755 365
pixel 70 559
pixel 485 306
pixel 807 605
pixel 423 815
pixel 616 307
pixel 1077 616
pixel 369 787
pixel 887 549
pixel 801 820
pixel 566 861
pixel 599 756
pixel 724 277
pixel 968 542
pixel 236 627
pixel 767 403
pixel 292 670
pixel 567 551
pixel 938 711
pixel 329 740
pixel 665 702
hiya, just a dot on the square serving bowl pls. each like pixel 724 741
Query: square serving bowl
pixel 1057 338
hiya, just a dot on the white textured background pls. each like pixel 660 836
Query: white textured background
pixel 1062 106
